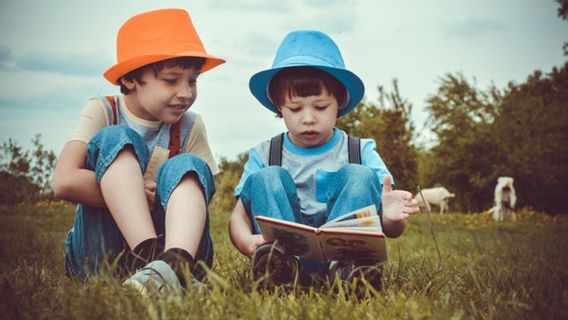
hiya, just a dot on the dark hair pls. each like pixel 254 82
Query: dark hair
pixel 304 82
pixel 184 62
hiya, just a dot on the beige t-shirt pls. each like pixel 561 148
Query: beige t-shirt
pixel 94 117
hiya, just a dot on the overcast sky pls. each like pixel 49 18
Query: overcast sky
pixel 53 54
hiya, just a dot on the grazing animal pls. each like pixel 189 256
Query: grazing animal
pixel 438 196
pixel 505 199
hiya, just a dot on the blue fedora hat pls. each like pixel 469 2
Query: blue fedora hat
pixel 309 49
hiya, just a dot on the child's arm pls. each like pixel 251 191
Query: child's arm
pixel 398 205
pixel 71 181
pixel 240 230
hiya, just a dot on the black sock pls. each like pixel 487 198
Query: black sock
pixel 143 253
pixel 178 259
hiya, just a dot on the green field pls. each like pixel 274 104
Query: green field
pixel 510 270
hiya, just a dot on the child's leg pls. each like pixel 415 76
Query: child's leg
pixel 122 187
pixel 185 215
pixel 96 234
pixel 185 187
pixel 353 187
pixel 271 192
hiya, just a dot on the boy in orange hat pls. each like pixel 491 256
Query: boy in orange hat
pixel 139 164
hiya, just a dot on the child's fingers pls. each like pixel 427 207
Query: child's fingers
pixel 150 185
pixel 411 210
pixel 411 203
pixel 387 184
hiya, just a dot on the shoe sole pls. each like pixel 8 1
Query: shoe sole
pixel 137 286
pixel 372 275
pixel 270 266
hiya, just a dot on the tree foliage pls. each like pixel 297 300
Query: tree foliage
pixel 519 132
pixel 532 133
pixel 17 189
pixel 26 174
pixel 461 116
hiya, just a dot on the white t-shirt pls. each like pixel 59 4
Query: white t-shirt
pixel 95 116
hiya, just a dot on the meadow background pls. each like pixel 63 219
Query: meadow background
pixel 488 270
pixel 461 265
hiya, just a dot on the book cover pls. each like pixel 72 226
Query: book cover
pixel 355 235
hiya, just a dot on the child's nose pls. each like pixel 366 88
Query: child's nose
pixel 185 91
pixel 308 117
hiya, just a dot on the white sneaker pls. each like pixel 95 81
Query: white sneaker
pixel 156 277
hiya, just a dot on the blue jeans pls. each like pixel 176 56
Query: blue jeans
pixel 272 192
pixel 95 240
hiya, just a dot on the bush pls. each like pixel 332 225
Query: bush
pixel 17 189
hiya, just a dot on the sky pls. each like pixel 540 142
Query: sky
pixel 53 54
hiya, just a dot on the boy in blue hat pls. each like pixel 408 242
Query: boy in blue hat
pixel 313 180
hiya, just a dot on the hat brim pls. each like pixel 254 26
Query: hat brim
pixel 118 70
pixel 258 85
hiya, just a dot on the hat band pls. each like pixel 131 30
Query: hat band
pixel 307 60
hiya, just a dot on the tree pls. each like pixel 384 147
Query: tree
pixel 532 130
pixel 461 116
pixel 25 174
pixel 17 189
pixel 519 132
pixel 42 164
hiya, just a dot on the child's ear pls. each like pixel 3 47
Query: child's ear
pixel 129 84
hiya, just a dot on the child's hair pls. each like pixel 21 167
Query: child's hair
pixel 304 82
pixel 184 62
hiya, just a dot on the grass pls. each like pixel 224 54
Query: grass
pixel 508 270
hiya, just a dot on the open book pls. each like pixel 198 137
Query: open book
pixel 354 235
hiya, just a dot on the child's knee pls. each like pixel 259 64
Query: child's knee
pixel 271 177
pixel 184 168
pixel 183 163
pixel 266 183
pixel 355 173
pixel 191 180
pixel 112 142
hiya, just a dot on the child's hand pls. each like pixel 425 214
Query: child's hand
pixel 150 190
pixel 253 243
pixel 397 204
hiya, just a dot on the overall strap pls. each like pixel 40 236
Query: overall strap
pixel 275 155
pixel 114 108
pixel 174 144
pixel 354 149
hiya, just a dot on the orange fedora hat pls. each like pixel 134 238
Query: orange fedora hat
pixel 154 36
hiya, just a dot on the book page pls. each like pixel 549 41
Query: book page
pixel 340 245
pixel 366 218
pixel 297 239
pixel 371 224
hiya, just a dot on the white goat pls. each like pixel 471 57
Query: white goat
pixel 505 199
pixel 435 196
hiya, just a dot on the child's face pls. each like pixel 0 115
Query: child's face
pixel 311 119
pixel 165 96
